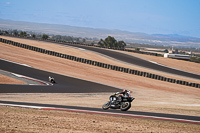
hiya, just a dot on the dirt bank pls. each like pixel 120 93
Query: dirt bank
pixel 23 120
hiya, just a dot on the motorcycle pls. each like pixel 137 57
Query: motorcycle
pixel 51 79
pixel 120 102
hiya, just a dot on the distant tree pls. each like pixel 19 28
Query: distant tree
pixel 58 37
pixel 23 34
pixel 111 42
pixel 137 49
pixel 92 43
pixel 33 36
pixel 77 40
pixel 121 44
pixel 84 40
pixel 101 43
pixel 6 32
pixel 45 36
pixel 15 32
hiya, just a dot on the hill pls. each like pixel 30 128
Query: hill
pixel 129 37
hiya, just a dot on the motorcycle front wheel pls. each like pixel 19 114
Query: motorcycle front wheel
pixel 106 106
pixel 125 106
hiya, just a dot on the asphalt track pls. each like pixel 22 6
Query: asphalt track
pixel 138 114
pixel 64 84
pixel 136 61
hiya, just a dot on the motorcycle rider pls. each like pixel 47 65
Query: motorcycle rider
pixel 51 79
pixel 125 93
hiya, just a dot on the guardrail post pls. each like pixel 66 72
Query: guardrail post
pixel 131 71
pixel 144 74
pixel 100 64
pixel 3 40
pixel 111 67
pixel 94 63
pixel 126 70
pixel 88 62
pixel 198 86
pixel 141 73
pixel 72 57
pixel 108 66
pixel 135 72
pixel 117 68
pixel 84 60
pixel 65 56
pixel 188 84
pixel 183 83
pixel 105 65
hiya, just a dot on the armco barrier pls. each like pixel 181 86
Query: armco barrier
pixel 131 71
pixel 100 64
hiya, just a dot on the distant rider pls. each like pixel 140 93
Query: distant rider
pixel 51 79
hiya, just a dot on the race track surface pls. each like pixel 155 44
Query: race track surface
pixel 64 84
pixel 137 61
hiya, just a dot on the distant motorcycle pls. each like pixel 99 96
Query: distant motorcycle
pixel 120 102
pixel 51 79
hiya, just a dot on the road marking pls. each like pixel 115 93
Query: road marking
pixel 170 67
pixel 24 106
pixel 15 62
pixel 29 78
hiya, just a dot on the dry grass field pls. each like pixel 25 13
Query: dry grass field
pixel 151 95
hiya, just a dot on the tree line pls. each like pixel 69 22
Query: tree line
pixel 111 42
pixel 31 34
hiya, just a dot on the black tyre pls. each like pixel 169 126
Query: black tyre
pixel 125 106
pixel 106 106
pixel 53 81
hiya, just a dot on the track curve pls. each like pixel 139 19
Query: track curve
pixel 136 61
pixel 64 84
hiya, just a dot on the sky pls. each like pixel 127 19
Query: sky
pixel 147 16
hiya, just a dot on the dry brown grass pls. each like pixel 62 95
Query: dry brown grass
pixel 14 119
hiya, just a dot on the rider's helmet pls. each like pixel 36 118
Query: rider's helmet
pixel 124 90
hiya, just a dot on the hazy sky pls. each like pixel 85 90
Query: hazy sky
pixel 148 16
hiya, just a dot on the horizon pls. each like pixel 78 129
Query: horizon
pixel 159 34
pixel 136 16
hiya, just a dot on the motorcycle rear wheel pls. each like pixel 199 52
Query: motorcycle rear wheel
pixel 125 106
pixel 106 106
pixel 53 81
